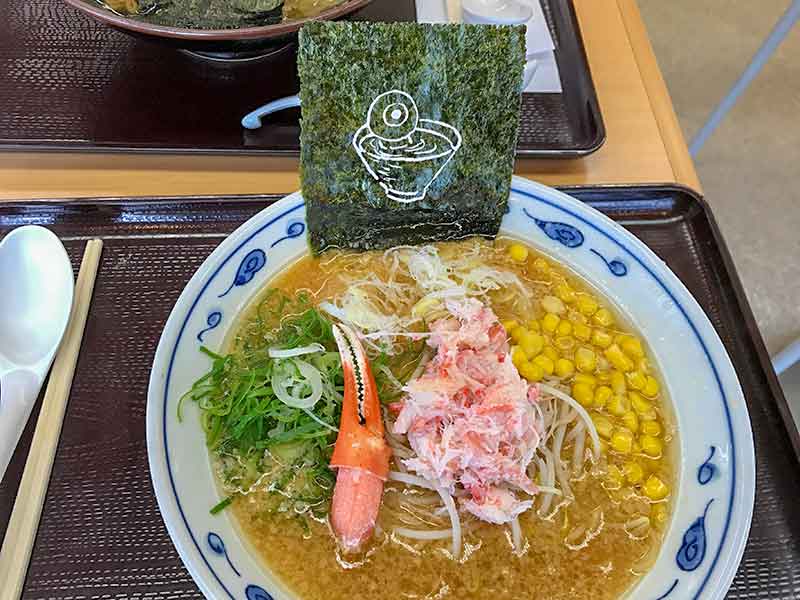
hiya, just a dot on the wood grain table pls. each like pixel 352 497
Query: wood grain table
pixel 645 143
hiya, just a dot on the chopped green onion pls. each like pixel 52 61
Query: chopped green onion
pixel 219 507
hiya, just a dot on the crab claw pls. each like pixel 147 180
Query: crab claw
pixel 361 454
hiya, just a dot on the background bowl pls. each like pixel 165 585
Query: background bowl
pixel 715 487
pixel 223 44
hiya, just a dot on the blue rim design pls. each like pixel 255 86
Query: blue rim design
pixel 251 264
pixel 293 230
pixel 708 469
pixel 218 546
pixel 531 196
pixel 693 549
pixel 616 266
pixel 563 233
pixel 213 321
pixel 669 591
pixel 254 592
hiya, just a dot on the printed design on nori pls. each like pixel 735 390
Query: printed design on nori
pixel 466 76
pixel 402 152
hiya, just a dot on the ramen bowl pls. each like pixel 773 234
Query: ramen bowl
pixel 222 44
pixel 714 462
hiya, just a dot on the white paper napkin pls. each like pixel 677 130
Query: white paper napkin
pixel 538 40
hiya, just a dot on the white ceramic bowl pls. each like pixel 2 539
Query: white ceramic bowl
pixel 708 531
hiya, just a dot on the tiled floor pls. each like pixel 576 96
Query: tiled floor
pixel 750 169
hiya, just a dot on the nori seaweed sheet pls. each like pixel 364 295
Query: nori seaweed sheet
pixel 468 76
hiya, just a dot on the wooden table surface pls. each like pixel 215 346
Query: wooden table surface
pixel 644 145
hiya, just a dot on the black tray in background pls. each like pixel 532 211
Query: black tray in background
pixel 101 536
pixel 69 83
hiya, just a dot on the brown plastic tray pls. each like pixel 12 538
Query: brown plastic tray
pixel 101 535
pixel 69 83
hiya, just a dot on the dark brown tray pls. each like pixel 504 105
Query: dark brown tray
pixel 101 535
pixel 70 83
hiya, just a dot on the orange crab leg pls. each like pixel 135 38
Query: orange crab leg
pixel 361 454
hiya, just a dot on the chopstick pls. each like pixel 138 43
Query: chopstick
pixel 24 523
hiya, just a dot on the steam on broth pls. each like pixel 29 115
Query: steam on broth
pixel 603 465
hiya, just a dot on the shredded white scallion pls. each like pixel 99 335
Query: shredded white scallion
pixel 428 534
pixel 299 351
pixel 411 480
pixel 516 534
pixel 455 521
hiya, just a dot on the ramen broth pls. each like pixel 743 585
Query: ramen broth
pixel 594 545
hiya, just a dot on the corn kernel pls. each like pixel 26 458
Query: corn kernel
pixel 652 387
pixel 553 305
pixel 634 472
pixel 582 332
pixel 586 378
pixel 577 317
pixel 532 372
pixel 550 322
pixel 517 333
pixel 643 365
pixel 618 383
pixel 565 293
pixel 631 421
pixel 602 395
pixel 618 359
pixel 587 305
pixel 509 324
pixel 518 252
pixel 564 367
pixel 603 375
pixel 603 318
pixel 601 338
pixel 541 265
pixel 642 407
pixel 651 446
pixel 585 359
pixel 534 326
pixel 652 428
pixel 603 425
pixel 564 343
pixel 659 514
pixel 655 489
pixel 614 478
pixel 632 346
pixel 583 393
pixel 518 356
pixel 531 344
pixel 618 405
pixel 550 353
pixel 545 363
pixel 622 441
pixel 636 380
pixel 564 328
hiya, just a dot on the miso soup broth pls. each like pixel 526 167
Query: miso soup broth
pixel 595 531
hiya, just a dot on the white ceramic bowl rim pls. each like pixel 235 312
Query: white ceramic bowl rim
pixel 738 462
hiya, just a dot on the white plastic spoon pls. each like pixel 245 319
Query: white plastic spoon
pixel 36 288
